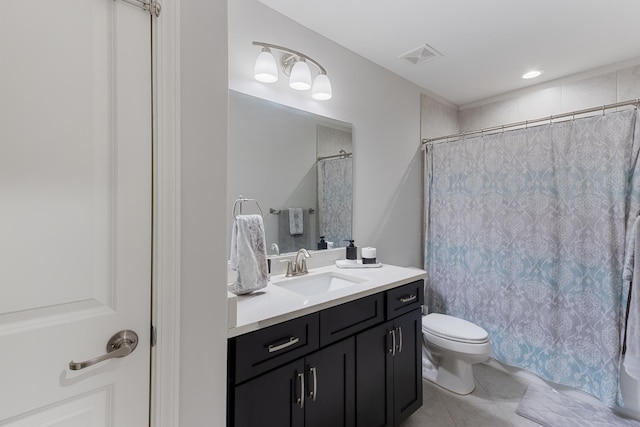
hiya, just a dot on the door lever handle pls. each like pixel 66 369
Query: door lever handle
pixel 120 345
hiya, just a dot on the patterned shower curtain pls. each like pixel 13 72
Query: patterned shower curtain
pixel 335 206
pixel 525 236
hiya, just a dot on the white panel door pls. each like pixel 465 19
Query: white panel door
pixel 75 211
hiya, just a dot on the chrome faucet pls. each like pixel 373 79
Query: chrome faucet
pixel 275 248
pixel 300 264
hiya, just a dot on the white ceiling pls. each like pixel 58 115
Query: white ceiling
pixel 486 45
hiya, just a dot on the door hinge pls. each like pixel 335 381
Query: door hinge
pixel 151 6
pixel 154 336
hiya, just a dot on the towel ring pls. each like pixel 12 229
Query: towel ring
pixel 237 205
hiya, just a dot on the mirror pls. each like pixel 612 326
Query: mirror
pixel 291 162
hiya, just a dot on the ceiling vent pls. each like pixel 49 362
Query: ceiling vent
pixel 420 55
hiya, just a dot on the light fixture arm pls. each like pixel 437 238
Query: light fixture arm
pixel 292 52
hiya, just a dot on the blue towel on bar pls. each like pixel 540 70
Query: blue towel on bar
pixel 296 218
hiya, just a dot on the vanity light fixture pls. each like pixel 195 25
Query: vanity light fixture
pixel 266 69
pixel 532 74
pixel 295 65
pixel 300 76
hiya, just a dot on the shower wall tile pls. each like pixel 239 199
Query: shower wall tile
pixel 629 84
pixel 542 103
pixel 591 92
pixel 607 88
pixel 469 119
pixel 499 113
pixel 437 119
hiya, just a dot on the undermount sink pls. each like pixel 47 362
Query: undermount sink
pixel 315 284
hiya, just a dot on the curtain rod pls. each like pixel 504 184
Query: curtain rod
pixel 343 154
pixel 602 108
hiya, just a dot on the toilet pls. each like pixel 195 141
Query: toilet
pixel 455 346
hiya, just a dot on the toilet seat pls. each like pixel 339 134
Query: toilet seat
pixel 454 329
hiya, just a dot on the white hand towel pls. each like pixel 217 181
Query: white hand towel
pixel 632 272
pixel 296 221
pixel 248 254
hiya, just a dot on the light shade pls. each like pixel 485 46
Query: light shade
pixel 321 88
pixel 300 78
pixel 266 70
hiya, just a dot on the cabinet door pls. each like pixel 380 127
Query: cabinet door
pixel 330 390
pixel 374 376
pixel 407 366
pixel 271 399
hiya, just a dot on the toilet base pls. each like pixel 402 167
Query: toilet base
pixel 456 375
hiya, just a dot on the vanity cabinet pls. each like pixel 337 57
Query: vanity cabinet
pixel 355 364
pixel 389 376
pixel 314 391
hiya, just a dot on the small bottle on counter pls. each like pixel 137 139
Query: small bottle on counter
pixel 322 244
pixel 352 252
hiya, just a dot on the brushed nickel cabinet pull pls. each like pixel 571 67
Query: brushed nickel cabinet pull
pixel 278 347
pixel 314 393
pixel 408 298
pixel 300 400
pixel 392 350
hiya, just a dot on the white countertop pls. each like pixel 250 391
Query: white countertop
pixel 275 304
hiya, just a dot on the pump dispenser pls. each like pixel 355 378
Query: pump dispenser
pixel 322 244
pixel 352 251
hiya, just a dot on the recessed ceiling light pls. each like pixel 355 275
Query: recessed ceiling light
pixel 532 74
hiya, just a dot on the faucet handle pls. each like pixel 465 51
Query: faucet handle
pixel 289 270
pixel 303 269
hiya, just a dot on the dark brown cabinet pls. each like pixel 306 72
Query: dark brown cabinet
pixel 356 364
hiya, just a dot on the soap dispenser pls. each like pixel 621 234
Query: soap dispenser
pixel 352 252
pixel 322 244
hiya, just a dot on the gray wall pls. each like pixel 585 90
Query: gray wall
pixel 383 108
pixel 203 134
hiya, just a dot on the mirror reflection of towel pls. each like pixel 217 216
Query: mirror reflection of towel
pixel 288 242
pixel 296 217
pixel 248 254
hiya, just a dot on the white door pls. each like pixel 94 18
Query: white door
pixel 75 211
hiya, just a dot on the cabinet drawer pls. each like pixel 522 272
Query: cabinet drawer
pixel 404 298
pixel 260 351
pixel 346 319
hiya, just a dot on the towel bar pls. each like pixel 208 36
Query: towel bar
pixel 238 204
pixel 277 211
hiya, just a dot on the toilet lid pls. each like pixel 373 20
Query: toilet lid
pixel 453 328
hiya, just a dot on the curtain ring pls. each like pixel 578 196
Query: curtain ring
pixel 526 124
pixel 603 108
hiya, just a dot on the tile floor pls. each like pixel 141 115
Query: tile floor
pixel 493 403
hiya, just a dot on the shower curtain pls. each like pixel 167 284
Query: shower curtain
pixel 525 236
pixel 335 199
